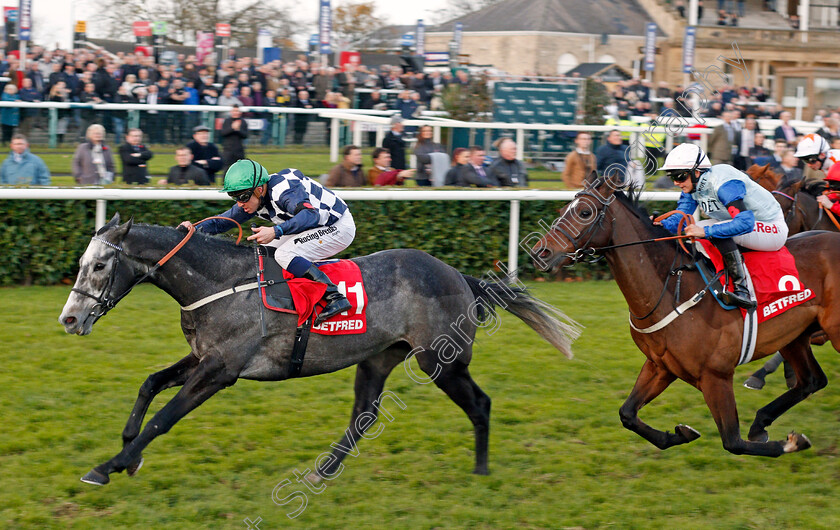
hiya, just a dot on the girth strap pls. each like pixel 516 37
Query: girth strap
pixel 299 347
pixel 682 308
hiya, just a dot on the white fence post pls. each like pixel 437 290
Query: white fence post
pixel 520 149
pixel 334 126
pixel 513 241
pixel 101 205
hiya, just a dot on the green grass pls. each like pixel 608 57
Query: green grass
pixel 559 456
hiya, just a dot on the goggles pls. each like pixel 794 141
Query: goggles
pixel 810 159
pixel 680 175
pixel 241 195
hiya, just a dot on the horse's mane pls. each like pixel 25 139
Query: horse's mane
pixel 200 244
pixel 630 199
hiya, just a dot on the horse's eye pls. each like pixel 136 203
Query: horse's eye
pixel 585 214
pixel 98 266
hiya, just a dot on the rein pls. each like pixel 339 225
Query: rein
pixel 830 216
pixel 105 303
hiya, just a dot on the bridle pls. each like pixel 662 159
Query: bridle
pixel 106 301
pixel 583 251
pixel 796 206
pixel 594 254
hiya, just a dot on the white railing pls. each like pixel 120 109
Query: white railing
pixel 102 195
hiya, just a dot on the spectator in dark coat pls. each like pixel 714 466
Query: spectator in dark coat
pixel 134 156
pixel 507 169
pixel 395 143
pixel 205 155
pixel 234 131
pixel 613 152
pixel 302 120
pixel 184 171
pixel 474 173
pixel 785 131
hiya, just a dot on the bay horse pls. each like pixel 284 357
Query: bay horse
pixel 764 176
pixel 417 307
pixel 702 346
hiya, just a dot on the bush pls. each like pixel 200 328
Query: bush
pixel 46 238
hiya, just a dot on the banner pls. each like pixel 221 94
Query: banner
pixel 25 20
pixel 457 35
pixel 263 41
pixel 420 39
pixel 159 28
pixel 531 102
pixel 352 58
pixel 222 30
pixel 688 49
pixel 203 45
pixel 142 28
pixel 325 27
pixel 650 47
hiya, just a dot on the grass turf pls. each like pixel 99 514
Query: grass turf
pixel 559 456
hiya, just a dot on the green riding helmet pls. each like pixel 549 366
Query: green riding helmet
pixel 244 175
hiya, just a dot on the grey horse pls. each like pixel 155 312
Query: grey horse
pixel 417 307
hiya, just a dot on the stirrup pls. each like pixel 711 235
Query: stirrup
pixel 737 299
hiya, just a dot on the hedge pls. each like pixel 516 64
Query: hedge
pixel 44 239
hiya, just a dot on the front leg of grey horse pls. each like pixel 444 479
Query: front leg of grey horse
pixel 175 375
pixel 208 378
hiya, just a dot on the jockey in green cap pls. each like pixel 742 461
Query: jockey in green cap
pixel 310 222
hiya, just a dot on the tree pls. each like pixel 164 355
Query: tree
pixel 184 18
pixel 352 22
pixel 595 98
pixel 471 102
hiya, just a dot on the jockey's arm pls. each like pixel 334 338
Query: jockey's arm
pixel 686 204
pixel 219 226
pixel 732 195
pixel 295 200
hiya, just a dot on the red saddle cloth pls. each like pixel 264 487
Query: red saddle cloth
pixel 308 298
pixel 774 277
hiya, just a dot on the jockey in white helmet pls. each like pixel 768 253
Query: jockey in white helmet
pixel 741 212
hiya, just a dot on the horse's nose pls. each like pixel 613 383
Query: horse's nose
pixel 544 254
pixel 68 321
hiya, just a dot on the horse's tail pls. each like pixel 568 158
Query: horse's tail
pixel 552 324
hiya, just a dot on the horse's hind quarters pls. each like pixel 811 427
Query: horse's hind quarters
pixel 796 442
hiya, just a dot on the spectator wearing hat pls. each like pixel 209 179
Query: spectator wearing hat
pixel 395 143
pixel 184 171
pixel 205 154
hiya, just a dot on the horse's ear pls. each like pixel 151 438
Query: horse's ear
pixel 110 224
pixel 122 231
pixel 795 187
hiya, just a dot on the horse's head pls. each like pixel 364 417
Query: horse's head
pixel 583 226
pixel 103 278
pixel 764 176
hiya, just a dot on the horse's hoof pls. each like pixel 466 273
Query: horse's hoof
pixel 759 437
pixel 314 478
pixel 96 478
pixel 687 433
pixel 133 468
pixel 796 442
pixel 754 383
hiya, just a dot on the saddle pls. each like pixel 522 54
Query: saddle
pixel 276 294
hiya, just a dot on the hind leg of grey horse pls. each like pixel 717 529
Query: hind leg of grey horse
pixel 370 380
pixel 809 379
pixel 651 382
pixel 208 378
pixel 455 380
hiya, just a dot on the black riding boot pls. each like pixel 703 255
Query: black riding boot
pixel 336 302
pixel 740 295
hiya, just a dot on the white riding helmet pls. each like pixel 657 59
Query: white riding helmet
pixel 811 144
pixel 686 156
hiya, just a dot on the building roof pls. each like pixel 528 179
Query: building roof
pixel 606 71
pixel 593 17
